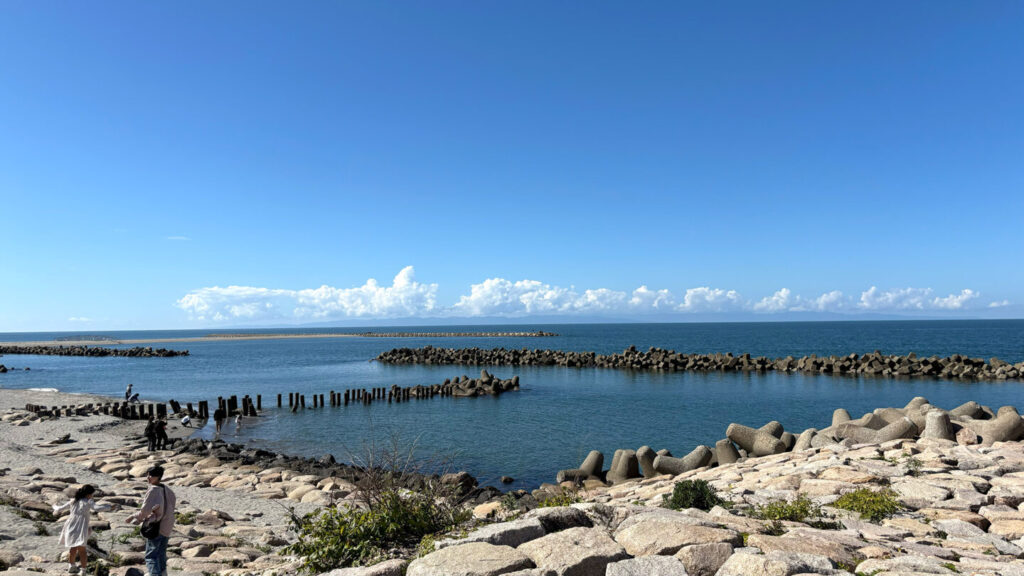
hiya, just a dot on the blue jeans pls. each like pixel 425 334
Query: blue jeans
pixel 156 555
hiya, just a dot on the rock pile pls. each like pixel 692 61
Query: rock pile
pixel 967 424
pixel 466 387
pixel 961 511
pixel 657 359
pixel 97 351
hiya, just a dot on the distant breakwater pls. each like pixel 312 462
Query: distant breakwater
pixel 659 360
pixel 534 334
pixel 97 351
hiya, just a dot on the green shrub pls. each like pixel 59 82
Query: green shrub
pixel 870 505
pixel 798 510
pixel 185 518
pixel 334 537
pixel 509 502
pixel 693 494
pixel 564 498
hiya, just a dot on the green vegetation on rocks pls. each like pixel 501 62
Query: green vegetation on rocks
pixel 798 510
pixel 869 504
pixel 693 494
pixel 334 537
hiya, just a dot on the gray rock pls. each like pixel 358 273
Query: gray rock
pixel 625 466
pixel 803 442
pixel 700 456
pixel 937 425
pixel 774 428
pixel 704 559
pixel 647 566
pixel 387 568
pixel 573 552
pixel 726 451
pixel 663 534
pixel 560 518
pixel 593 464
pixel 755 442
pixel 473 559
pixel 775 564
pixel 646 456
pixel 501 534
pixel 839 416
pixel 921 564
pixel 574 475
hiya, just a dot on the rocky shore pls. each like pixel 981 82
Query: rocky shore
pixel 957 481
pixel 97 351
pixel 656 359
pixel 236 504
pixel 957 507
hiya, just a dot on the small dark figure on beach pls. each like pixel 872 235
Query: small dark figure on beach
pixel 161 435
pixel 134 399
pixel 128 392
pixel 218 418
pixel 151 433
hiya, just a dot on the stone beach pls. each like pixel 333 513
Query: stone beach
pixel 959 477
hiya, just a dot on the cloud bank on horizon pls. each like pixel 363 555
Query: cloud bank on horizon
pixel 501 298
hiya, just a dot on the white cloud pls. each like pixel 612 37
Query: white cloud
pixel 955 301
pixel 913 299
pixel 775 303
pixel 499 297
pixel 82 319
pixel 707 299
pixel 999 304
pixel 404 298
pixel 784 301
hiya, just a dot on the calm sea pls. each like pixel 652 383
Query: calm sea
pixel 559 414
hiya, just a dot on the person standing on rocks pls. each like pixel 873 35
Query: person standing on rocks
pixel 75 534
pixel 151 433
pixel 128 392
pixel 218 418
pixel 158 507
pixel 161 434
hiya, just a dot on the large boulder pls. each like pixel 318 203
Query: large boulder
pixel 572 552
pixel 647 566
pixel 472 559
pixel 665 534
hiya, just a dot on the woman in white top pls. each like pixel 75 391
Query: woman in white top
pixel 75 533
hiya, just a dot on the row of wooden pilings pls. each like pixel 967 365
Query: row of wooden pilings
pixel 365 396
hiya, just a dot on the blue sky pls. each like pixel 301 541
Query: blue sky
pixel 194 164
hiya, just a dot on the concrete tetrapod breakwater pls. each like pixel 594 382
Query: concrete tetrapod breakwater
pixel 657 359
pixel 136 352
pixel 967 424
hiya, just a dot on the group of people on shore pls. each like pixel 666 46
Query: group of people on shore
pixel 156 434
pixel 156 517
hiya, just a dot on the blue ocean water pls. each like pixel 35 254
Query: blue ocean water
pixel 560 413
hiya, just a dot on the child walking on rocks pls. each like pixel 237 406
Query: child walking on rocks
pixel 75 533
